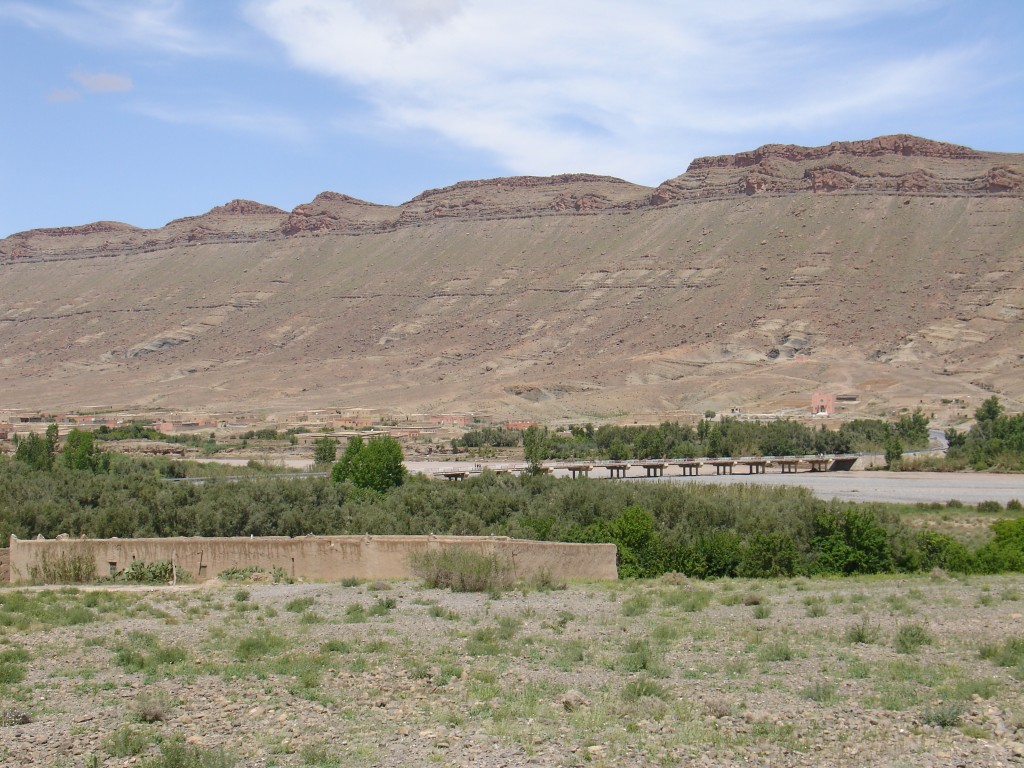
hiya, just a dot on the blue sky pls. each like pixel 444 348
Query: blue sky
pixel 147 110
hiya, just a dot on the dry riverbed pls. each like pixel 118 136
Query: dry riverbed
pixel 892 671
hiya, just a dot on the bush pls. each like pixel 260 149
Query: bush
pixel 636 605
pixel 150 708
pixel 177 754
pixel 1009 653
pixel 126 742
pixel 639 550
pixel 14 716
pixel 863 633
pixel 910 637
pixel 768 555
pixel 241 574
pixel 158 572
pixel 644 687
pixel 299 604
pixel 63 568
pixel 462 570
pixel 940 550
pixel 821 691
pixel 944 714
pixel 851 541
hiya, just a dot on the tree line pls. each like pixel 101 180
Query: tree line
pixel 727 437
pixel 697 529
pixel 995 441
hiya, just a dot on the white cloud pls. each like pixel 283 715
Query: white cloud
pixel 146 24
pixel 628 89
pixel 102 82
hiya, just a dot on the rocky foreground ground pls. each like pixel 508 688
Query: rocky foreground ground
pixel 921 671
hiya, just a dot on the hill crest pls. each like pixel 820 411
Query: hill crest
pixel 892 267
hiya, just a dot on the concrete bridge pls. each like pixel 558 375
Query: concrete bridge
pixel 755 465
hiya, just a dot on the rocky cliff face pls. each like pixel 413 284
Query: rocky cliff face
pixel 893 268
pixel 891 165
pixel 899 164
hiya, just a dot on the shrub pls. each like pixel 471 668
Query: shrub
pixel 126 742
pixel 816 607
pixel 863 633
pixel 944 714
pixel 63 568
pixel 439 612
pixel 850 541
pixel 382 607
pixel 767 555
pixel 299 604
pixel 940 550
pixel 715 554
pixel 14 716
pixel 687 600
pixel 640 657
pixel 821 691
pixel 910 637
pixel 636 605
pixel 242 574
pixel 150 708
pixel 1009 653
pixel 777 651
pixel 175 753
pixel 644 687
pixel 989 507
pixel 462 570
pixel 140 572
pixel 11 672
pixel 259 644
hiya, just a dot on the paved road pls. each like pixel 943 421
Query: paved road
pixel 899 487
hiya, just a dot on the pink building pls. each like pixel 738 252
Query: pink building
pixel 823 403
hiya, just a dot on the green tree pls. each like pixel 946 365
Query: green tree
pixel 378 465
pixel 990 410
pixel 36 451
pixel 80 453
pixel 893 452
pixel 325 450
pixel 342 471
pixel 533 447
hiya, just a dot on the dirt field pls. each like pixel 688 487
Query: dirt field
pixel 881 671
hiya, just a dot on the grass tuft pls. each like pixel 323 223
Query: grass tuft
pixel 462 570
pixel 910 637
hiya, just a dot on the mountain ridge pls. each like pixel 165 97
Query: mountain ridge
pixel 892 267
pixel 705 178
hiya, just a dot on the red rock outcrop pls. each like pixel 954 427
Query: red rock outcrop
pixel 245 208
pixel 899 164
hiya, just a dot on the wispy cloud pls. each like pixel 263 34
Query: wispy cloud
pixel 144 24
pixel 628 89
pixel 229 118
pixel 102 82
pixel 63 95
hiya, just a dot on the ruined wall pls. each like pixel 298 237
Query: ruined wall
pixel 322 558
pixel 5 565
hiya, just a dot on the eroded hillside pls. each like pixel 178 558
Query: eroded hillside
pixel 891 268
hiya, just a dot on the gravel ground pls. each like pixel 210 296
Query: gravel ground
pixel 667 672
